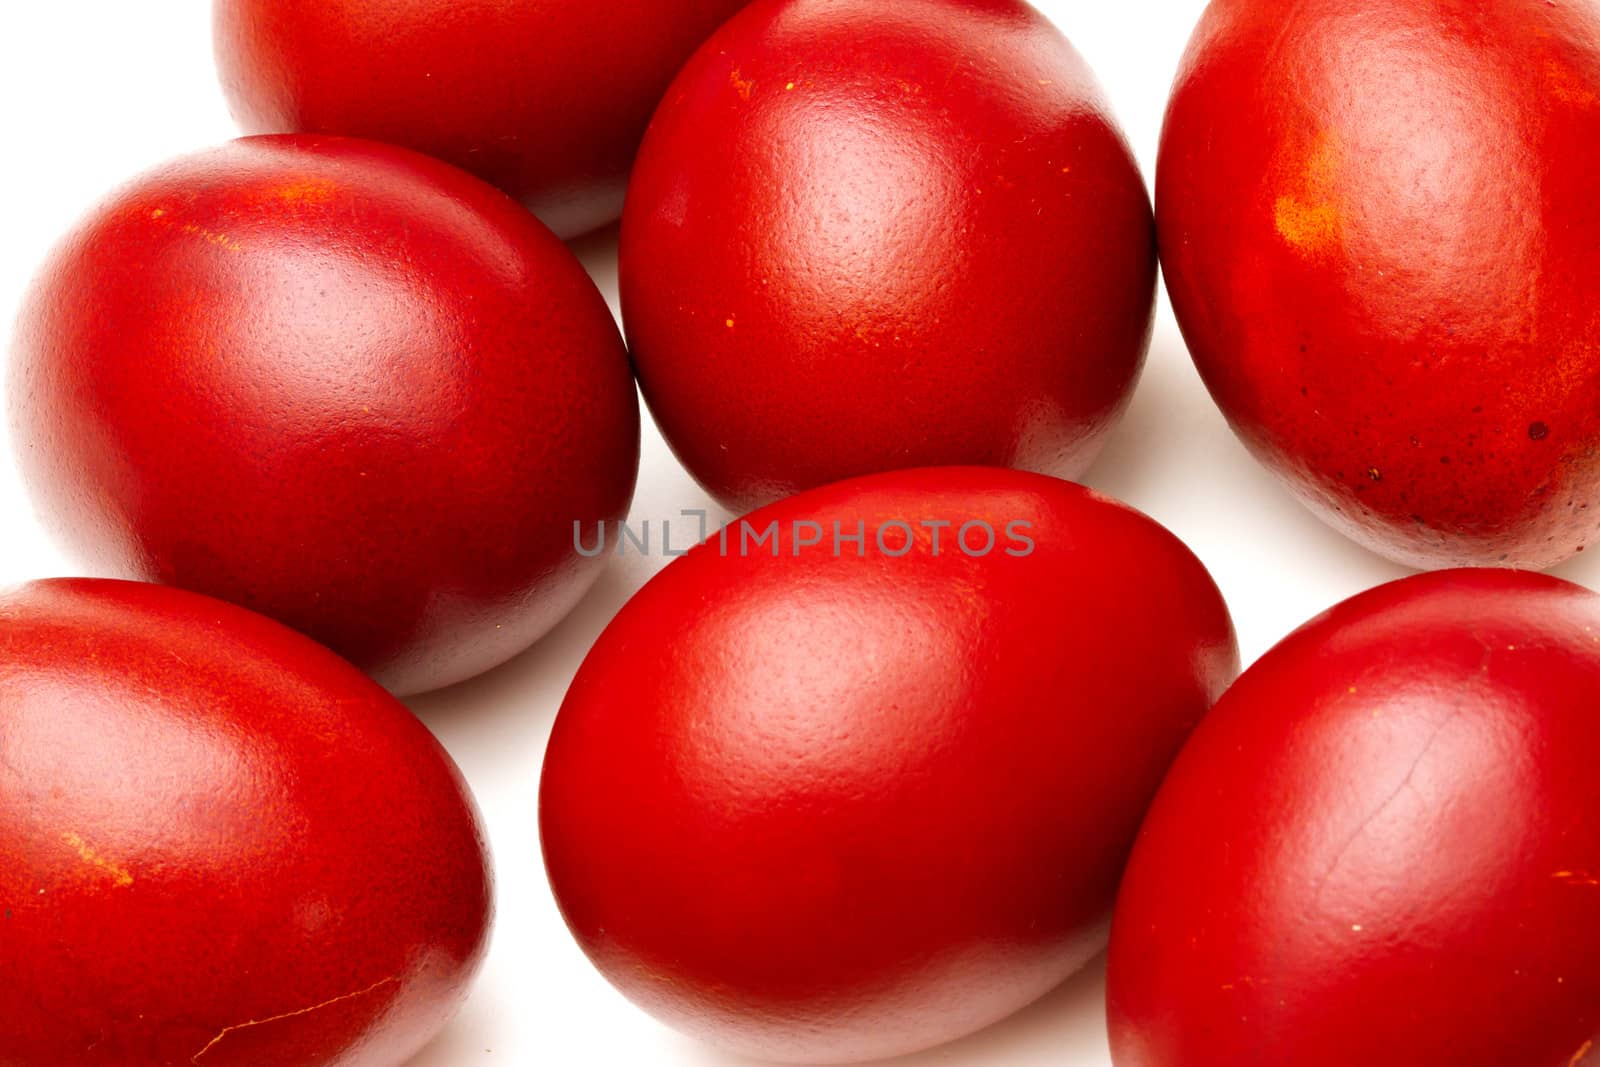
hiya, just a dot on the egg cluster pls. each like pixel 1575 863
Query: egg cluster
pixel 921 726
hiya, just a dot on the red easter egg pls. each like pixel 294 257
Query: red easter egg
pixel 822 799
pixel 220 844
pixel 339 383
pixel 546 99
pixel 1377 224
pixel 866 235
pixel 1381 847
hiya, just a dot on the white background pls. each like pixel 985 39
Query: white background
pixel 94 91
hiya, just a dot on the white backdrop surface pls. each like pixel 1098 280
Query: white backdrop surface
pixel 94 91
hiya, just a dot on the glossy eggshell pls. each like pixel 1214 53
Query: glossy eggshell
pixel 1378 226
pixel 339 383
pixel 824 809
pixel 866 235
pixel 545 98
pixel 1381 847
pixel 220 844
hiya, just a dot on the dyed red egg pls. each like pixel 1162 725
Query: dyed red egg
pixel 1377 225
pixel 547 100
pixel 866 784
pixel 1381 846
pixel 866 235
pixel 219 843
pixel 339 383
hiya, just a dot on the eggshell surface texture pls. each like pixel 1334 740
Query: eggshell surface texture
pixel 338 383
pixel 1378 225
pixel 545 98
pixel 822 807
pixel 219 843
pixel 1381 846
pixel 866 235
